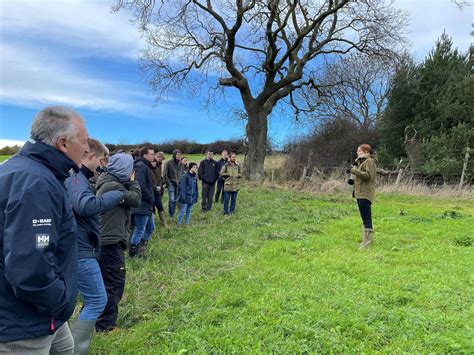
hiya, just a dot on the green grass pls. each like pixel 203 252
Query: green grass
pixel 4 157
pixel 284 275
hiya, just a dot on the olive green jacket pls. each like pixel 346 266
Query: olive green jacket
pixel 364 184
pixel 231 175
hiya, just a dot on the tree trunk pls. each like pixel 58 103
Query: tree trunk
pixel 257 129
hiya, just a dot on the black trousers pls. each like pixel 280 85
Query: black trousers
pixel 112 266
pixel 219 190
pixel 207 195
pixel 159 202
pixel 365 209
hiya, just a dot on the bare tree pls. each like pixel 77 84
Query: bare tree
pixel 265 49
pixel 356 89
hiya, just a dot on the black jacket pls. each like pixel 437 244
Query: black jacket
pixel 220 163
pixel 208 172
pixel 38 247
pixel 143 176
pixel 115 223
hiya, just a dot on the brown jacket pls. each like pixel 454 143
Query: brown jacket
pixel 232 175
pixel 364 185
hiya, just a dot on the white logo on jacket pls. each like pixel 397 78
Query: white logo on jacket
pixel 42 241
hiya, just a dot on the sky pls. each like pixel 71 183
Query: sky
pixel 79 54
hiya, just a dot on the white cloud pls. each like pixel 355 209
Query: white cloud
pixel 88 25
pixel 29 78
pixel 10 142
pixel 428 20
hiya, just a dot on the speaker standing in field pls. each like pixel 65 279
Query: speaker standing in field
pixel 364 171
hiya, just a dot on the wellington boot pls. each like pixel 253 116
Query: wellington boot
pixel 82 332
pixel 368 238
pixel 141 252
pixel 162 217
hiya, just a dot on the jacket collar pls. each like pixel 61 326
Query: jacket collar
pixel 60 165
pixel 87 172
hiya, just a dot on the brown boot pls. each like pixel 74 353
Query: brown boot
pixel 141 252
pixel 162 217
pixel 368 238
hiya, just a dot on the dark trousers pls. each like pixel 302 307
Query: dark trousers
pixel 365 209
pixel 219 189
pixel 207 195
pixel 232 196
pixel 112 266
pixel 159 202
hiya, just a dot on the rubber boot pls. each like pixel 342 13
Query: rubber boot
pixel 132 250
pixel 368 238
pixel 141 251
pixel 82 332
pixel 162 217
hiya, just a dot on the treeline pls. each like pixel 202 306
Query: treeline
pixel 9 150
pixel 426 124
pixel 187 147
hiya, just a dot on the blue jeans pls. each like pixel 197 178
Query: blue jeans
pixel 172 199
pixel 92 289
pixel 232 196
pixel 185 208
pixel 144 226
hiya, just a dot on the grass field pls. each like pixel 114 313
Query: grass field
pixel 4 157
pixel 284 275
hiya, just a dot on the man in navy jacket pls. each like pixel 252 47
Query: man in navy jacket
pixel 86 209
pixel 38 247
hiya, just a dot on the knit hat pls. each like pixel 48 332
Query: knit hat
pixel 121 166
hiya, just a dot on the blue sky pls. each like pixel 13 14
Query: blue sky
pixel 77 53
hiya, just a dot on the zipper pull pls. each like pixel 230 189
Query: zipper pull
pixel 52 325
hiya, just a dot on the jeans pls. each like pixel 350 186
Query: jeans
pixel 92 289
pixel 144 226
pixel 112 266
pixel 60 342
pixel 185 208
pixel 219 189
pixel 172 199
pixel 207 195
pixel 232 196
pixel 365 209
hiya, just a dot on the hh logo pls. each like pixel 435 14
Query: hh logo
pixel 42 241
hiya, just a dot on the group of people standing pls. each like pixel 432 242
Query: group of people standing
pixel 65 227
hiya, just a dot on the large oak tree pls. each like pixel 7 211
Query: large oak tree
pixel 266 50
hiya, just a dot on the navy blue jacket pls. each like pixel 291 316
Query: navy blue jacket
pixel 143 176
pixel 188 188
pixel 86 209
pixel 38 248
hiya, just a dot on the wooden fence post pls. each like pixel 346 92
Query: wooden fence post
pixel 464 167
pixel 399 177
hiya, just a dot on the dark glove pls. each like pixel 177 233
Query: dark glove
pixel 356 163
pixel 350 181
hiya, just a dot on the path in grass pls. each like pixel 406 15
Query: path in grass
pixel 284 275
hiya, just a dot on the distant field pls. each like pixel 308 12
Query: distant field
pixel 4 157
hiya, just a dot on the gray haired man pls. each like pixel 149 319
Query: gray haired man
pixel 38 247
